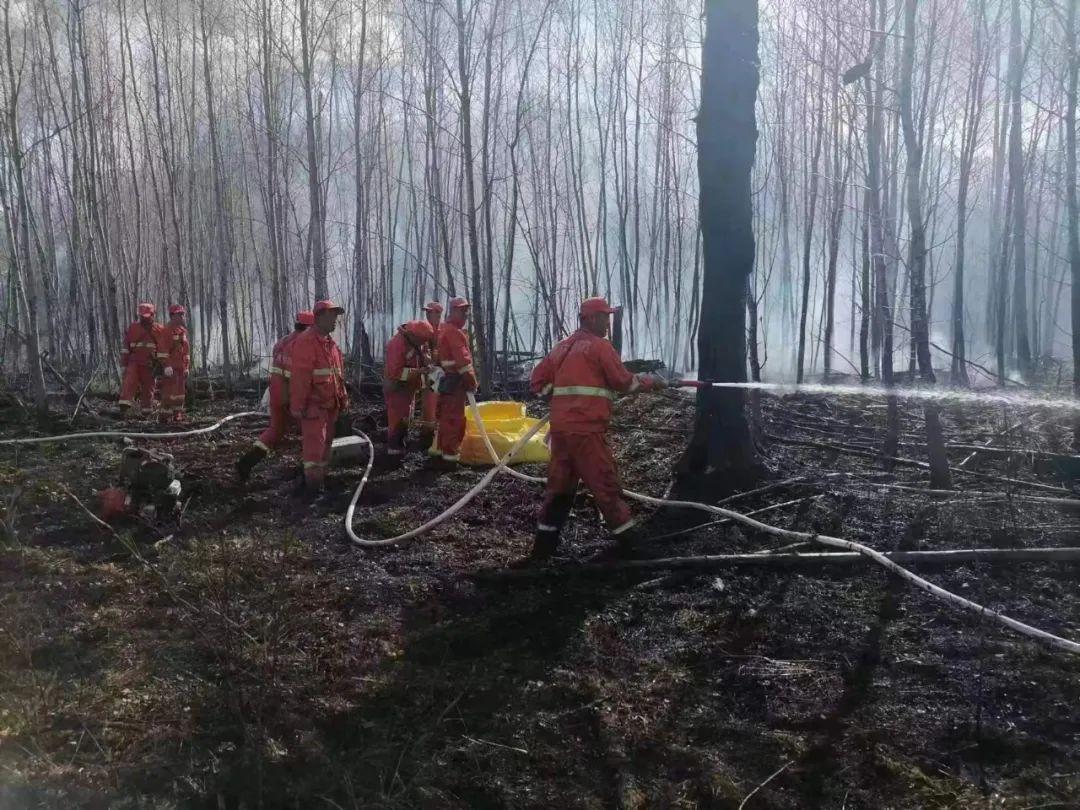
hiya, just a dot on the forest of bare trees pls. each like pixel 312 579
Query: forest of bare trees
pixel 914 187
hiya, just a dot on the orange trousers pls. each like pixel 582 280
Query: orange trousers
pixel 451 422
pixel 582 457
pixel 399 413
pixel 318 435
pixel 173 394
pixel 430 403
pixel 280 418
pixel 138 380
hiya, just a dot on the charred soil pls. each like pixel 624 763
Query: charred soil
pixel 245 654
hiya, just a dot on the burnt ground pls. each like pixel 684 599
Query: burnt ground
pixel 249 656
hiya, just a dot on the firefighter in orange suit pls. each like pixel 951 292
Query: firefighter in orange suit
pixel 429 397
pixel 317 391
pixel 403 375
pixel 174 354
pixel 138 357
pixel 583 375
pixel 459 377
pixel 280 374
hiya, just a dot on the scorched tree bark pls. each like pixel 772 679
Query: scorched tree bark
pixel 727 139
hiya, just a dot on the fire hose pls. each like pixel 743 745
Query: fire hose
pixel 502 465
pixel 122 434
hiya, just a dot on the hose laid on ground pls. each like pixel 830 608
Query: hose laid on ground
pixel 500 465
pixel 121 434
pixel 825 540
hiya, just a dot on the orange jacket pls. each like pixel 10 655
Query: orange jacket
pixel 583 374
pixel 454 354
pixel 404 362
pixel 317 384
pixel 140 344
pixel 174 350
pixel 281 370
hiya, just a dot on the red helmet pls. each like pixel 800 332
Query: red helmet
pixel 177 309
pixel 459 303
pixel 433 306
pixel 595 306
pixel 305 318
pixel 147 310
pixel 322 306
pixel 420 331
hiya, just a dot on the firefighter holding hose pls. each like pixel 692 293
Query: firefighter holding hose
pixel 583 375
pixel 403 375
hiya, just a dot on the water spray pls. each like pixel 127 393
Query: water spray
pixel 939 395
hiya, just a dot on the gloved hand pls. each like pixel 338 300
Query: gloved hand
pixel 658 383
pixel 168 371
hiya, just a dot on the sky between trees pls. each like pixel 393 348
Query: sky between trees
pixel 245 157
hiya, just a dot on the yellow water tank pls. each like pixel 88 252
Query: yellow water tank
pixel 505 422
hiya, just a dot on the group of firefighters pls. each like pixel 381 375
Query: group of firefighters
pixel 427 359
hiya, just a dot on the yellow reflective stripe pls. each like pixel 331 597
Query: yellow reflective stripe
pixel 261 446
pixel 125 350
pixel 309 464
pixel 468 369
pixel 448 363
pixel 405 374
pixel 583 391
pixel 325 372
pixel 123 402
pixel 163 355
pixel 280 372
pixel 547 389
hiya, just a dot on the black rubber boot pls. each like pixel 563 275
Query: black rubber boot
pixel 247 463
pixel 544 546
pixel 629 541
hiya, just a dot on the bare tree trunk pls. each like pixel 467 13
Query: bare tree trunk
pixel 1072 204
pixel 317 218
pixel 24 283
pixel 727 137
pixel 478 311
pixel 920 332
pixel 1016 175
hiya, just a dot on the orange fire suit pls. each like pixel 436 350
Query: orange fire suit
pixel 316 396
pixel 402 378
pixel 280 374
pixel 583 375
pixel 456 361
pixel 137 356
pixel 429 397
pixel 174 351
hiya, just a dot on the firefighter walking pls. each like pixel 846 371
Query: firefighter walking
pixel 174 355
pixel 583 375
pixel 458 379
pixel 278 391
pixel 138 356
pixel 403 375
pixel 317 391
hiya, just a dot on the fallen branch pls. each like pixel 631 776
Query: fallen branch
pixel 1064 503
pixel 775 774
pixel 722 521
pixel 716 562
pixel 909 462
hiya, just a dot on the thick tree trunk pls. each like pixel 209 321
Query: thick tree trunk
pixel 1072 203
pixel 727 139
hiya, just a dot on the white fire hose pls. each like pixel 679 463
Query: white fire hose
pixel 502 464
pixel 122 434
